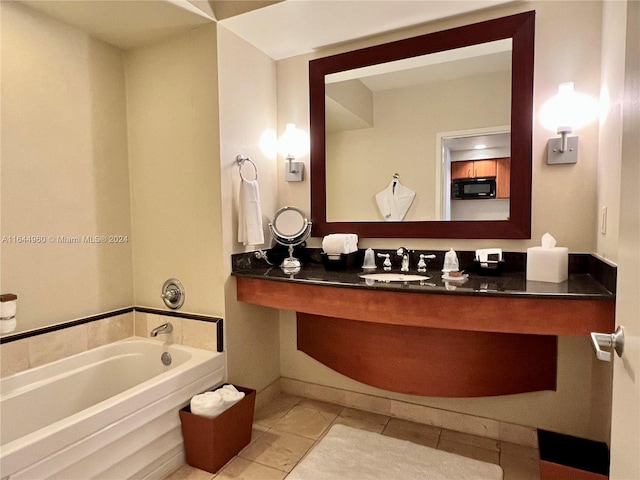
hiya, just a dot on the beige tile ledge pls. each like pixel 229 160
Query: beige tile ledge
pixel 460 422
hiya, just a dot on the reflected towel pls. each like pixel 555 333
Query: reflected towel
pixel 394 201
pixel 250 214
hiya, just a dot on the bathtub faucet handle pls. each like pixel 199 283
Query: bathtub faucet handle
pixel 171 294
pixel 164 328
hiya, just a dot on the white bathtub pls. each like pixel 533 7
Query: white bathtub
pixel 110 412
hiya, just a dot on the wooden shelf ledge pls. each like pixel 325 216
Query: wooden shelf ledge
pixel 515 314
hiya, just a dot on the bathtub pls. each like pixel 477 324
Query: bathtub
pixel 110 412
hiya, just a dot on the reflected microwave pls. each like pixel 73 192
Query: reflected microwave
pixel 473 188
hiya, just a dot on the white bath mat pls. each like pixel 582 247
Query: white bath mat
pixel 347 453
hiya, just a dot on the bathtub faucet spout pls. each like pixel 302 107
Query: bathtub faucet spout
pixel 164 328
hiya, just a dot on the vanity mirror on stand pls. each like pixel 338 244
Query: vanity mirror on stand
pixel 394 107
pixel 290 227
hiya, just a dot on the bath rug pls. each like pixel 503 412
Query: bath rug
pixel 347 453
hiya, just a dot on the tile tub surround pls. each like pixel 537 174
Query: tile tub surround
pixel 289 426
pixel 33 349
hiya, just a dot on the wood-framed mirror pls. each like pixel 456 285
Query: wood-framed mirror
pixel 518 32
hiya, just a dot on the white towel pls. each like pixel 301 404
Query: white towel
pixel 230 395
pixel 250 214
pixel 394 201
pixel 337 243
pixel 208 404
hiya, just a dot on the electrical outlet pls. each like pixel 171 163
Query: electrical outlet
pixel 603 220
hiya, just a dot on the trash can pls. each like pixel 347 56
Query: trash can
pixel 563 457
pixel 211 442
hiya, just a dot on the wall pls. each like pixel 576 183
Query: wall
pixel 610 140
pixel 174 149
pixel 564 203
pixel 247 94
pixel 64 171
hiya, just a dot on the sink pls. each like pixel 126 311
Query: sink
pixel 393 277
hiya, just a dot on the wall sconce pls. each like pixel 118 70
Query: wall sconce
pixel 562 113
pixel 293 143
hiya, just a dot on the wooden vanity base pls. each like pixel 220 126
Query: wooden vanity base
pixel 430 361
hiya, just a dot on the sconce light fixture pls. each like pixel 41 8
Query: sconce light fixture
pixel 562 113
pixel 293 143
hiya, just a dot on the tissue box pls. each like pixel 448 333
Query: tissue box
pixel 210 443
pixel 548 264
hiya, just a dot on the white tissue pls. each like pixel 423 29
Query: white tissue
pixel 338 243
pixel 212 404
pixel 548 241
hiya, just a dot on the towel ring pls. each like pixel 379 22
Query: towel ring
pixel 241 159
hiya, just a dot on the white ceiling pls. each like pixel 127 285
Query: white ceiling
pixel 125 23
pixel 281 30
pixel 294 27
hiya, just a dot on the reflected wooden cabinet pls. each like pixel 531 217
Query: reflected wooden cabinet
pixel 503 177
pixel 494 167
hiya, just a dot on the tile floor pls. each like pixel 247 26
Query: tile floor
pixel 289 426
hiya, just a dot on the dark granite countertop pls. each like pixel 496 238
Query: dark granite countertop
pixel 588 279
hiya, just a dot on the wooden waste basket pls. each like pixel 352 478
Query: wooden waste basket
pixel 211 442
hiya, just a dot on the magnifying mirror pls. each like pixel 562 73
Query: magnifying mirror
pixel 290 227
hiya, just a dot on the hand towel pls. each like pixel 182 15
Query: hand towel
pixel 208 404
pixel 337 243
pixel 230 395
pixel 250 214
pixel 394 201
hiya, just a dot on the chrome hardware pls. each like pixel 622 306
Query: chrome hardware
pixel 166 358
pixel 422 265
pixel 173 293
pixel 404 253
pixel 386 265
pixel 608 340
pixel 164 328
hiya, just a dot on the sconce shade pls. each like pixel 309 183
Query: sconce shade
pixel 568 110
pixel 293 142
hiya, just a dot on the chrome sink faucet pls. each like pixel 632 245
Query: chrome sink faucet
pixel 404 253
pixel 164 328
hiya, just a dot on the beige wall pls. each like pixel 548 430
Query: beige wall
pixel 564 203
pixel 610 141
pixel 564 197
pixel 247 115
pixel 64 170
pixel 403 140
pixel 174 154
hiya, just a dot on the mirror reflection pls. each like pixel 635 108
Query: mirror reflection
pixel 390 129
pixel 476 176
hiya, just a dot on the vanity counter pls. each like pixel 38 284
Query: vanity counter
pixel 499 334
pixel 579 286
pixel 506 303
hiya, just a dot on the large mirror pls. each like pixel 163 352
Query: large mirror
pixel 388 124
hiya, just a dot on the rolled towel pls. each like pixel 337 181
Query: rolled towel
pixel 230 395
pixel 208 404
pixel 338 243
